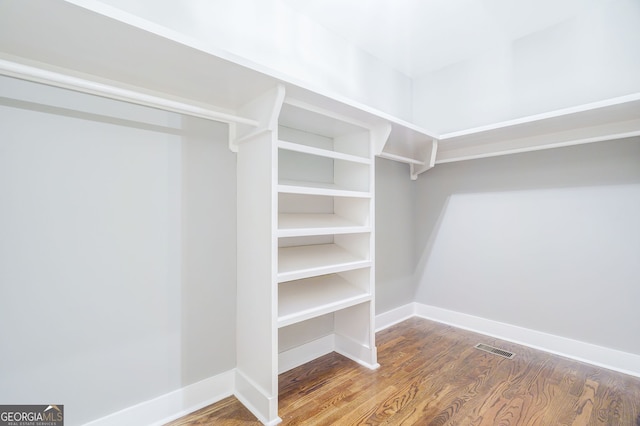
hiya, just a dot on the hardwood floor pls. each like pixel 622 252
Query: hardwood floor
pixel 432 375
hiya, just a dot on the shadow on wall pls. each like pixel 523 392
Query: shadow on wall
pixel 605 163
pixel 118 232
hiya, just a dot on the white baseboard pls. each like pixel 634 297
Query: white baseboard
pixel 256 399
pixel 600 356
pixel 183 401
pixel 302 354
pixel 173 405
pixel 355 351
pixel 394 316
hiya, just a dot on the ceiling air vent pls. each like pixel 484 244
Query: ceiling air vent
pixel 496 351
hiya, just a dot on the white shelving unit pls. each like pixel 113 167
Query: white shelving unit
pixel 305 243
pixel 301 300
pixel 106 65
pixel 305 224
pixel 297 262
pixel 326 239
pixel 305 169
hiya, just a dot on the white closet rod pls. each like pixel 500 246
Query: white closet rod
pixel 38 75
pixel 401 158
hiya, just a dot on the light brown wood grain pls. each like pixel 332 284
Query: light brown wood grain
pixel 431 375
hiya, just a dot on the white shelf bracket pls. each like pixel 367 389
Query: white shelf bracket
pixel 264 109
pixel 429 156
pixel 379 135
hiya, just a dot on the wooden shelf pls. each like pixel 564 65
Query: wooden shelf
pixel 297 225
pixel 290 146
pixel 319 188
pixel 295 263
pixel 301 300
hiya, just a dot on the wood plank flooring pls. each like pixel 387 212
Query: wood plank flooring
pixel 432 375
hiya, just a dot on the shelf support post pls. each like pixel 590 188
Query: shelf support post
pixel 264 109
pixel 429 156
pixel 256 291
pixel 379 135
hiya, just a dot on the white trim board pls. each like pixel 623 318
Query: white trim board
pixel 173 405
pixel 292 358
pixel 256 400
pixel 183 401
pixel 600 356
pixel 395 316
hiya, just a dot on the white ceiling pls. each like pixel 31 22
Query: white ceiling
pixel 418 36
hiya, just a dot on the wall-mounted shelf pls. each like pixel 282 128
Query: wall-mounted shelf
pixel 296 147
pixel 402 159
pixel 36 45
pixel 214 85
pixel 599 121
pixel 299 262
pixel 305 241
pixel 306 224
pixel 319 188
pixel 305 299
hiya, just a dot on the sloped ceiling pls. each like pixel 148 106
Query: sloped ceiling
pixel 419 36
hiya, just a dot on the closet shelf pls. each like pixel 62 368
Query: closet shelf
pixel 290 146
pixel 301 300
pixel 303 224
pixel 401 158
pixel 295 263
pixel 610 119
pixel 105 57
pixel 319 188
pixel 158 77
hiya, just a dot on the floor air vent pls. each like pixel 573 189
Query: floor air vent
pixel 496 351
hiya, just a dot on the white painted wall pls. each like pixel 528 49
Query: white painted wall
pixel 117 251
pixel 548 240
pixel 280 40
pixel 585 59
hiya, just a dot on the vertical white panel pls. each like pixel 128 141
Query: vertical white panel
pixel 257 266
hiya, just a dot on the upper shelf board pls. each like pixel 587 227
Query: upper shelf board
pixel 305 149
pixel 92 41
pixel 67 38
pixel 605 120
pixel 102 44
pixel 295 225
pixel 297 115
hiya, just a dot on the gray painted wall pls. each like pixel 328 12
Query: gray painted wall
pixel 118 230
pixel 548 240
pixel 395 283
pixel 117 251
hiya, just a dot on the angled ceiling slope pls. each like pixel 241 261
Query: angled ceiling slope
pixel 158 63
pixel 417 36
